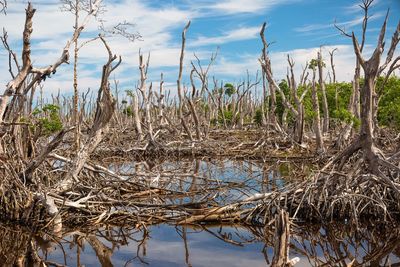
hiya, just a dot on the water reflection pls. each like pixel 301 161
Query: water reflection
pixel 218 245
pixel 240 178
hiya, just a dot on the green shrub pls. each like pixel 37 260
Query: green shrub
pixel 258 116
pixel 128 111
pixel 389 104
pixel 47 120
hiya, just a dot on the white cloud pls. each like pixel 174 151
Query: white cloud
pixel 315 27
pixel 52 29
pixel 246 6
pixel 235 68
pixel 344 61
pixel 243 33
pixel 346 25
pixel 355 8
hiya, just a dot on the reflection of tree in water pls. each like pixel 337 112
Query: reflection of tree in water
pixel 315 245
pixel 13 246
pixel 335 245
pixel 19 247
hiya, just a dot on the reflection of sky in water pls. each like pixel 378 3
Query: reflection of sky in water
pixel 223 170
pixel 244 178
pixel 166 248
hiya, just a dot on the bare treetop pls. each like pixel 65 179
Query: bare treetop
pixel 3 6
pixel 84 5
pixel 124 29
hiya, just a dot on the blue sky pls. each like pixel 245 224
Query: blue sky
pixel 297 27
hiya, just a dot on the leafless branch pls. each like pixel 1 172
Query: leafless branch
pixel 124 29
pixel 392 49
pixel 3 6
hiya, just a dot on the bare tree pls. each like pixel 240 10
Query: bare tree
pixel 76 6
pixel 104 112
pixel 136 116
pixel 331 54
pixel 372 68
pixel 298 100
pixel 202 75
pixel 355 98
pixel 354 105
pixel 317 121
pixel 146 93
pixel 321 82
pixel 272 89
pixel 179 83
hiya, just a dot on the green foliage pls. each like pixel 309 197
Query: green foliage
pixel 228 117
pixel 258 116
pixel 47 120
pixel 339 109
pixel 204 106
pixel 388 107
pixel 128 111
pixel 346 116
pixel 279 103
pixel 229 89
pixel 389 104
pixel 129 93
pixel 314 64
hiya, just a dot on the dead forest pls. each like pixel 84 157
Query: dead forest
pixel 59 156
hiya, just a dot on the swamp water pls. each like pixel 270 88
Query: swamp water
pixel 202 245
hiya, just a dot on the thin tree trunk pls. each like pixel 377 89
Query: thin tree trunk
pixel 179 83
pixel 75 84
pixel 271 87
pixel 325 128
pixel 317 126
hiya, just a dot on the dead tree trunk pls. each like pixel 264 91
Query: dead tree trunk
pixel 15 85
pixel 160 102
pixel 179 84
pixel 75 83
pixel 372 156
pixel 354 105
pixel 146 96
pixel 317 120
pixel 282 241
pixel 3 6
pixel 202 74
pixel 193 107
pixel 331 53
pixel 321 82
pixel 264 103
pixel 299 124
pixel 104 112
pixel 136 116
pixel 272 94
